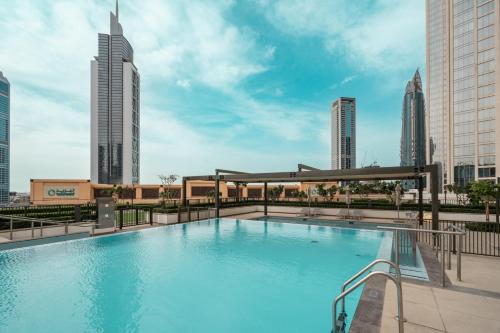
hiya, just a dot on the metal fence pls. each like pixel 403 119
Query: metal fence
pixel 481 238
pixel 132 216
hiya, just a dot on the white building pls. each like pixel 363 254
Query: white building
pixel 344 133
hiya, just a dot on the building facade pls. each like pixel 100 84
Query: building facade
pixel 4 139
pixel 82 191
pixel 462 109
pixel 344 133
pixel 115 110
pixel 413 127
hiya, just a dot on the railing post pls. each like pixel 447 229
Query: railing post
pixel 32 229
pixel 179 214
pixel 396 233
pixel 454 239
pixel 66 228
pixel 449 251
pixel 459 258
pixel 11 229
pixel 121 218
pixel 41 229
pixel 151 215
pixel 198 213
pixel 443 259
pixel 189 213
pixel 136 216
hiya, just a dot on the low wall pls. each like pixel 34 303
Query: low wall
pixel 204 214
pixel 365 213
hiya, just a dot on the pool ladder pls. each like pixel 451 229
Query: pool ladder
pixel 339 323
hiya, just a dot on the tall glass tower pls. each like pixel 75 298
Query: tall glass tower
pixel 413 127
pixel 115 97
pixel 462 75
pixel 344 133
pixel 4 139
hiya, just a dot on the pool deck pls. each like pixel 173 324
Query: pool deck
pixel 472 305
pixel 54 231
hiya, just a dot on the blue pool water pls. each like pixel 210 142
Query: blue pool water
pixel 211 276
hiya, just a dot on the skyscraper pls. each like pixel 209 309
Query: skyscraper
pixel 462 110
pixel 344 133
pixel 4 139
pixel 115 97
pixel 413 127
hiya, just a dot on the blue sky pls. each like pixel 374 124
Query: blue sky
pixel 243 85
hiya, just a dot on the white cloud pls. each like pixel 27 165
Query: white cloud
pixel 386 35
pixel 47 47
pixel 184 84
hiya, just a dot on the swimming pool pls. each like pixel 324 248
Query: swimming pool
pixel 212 276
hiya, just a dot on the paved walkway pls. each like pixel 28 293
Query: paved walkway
pixel 472 305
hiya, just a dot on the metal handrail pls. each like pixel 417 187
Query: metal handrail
pixel 441 234
pixel 65 223
pixel 358 274
pixel 423 230
pixel 399 292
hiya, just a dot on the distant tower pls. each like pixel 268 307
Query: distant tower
pixel 115 106
pixel 413 127
pixel 4 139
pixel 344 133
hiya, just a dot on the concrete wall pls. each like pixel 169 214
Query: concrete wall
pixel 365 213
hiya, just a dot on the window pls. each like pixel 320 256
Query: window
pixel 486 137
pixel 486 32
pixel 150 193
pixel 486 43
pixel 254 193
pixel 486 102
pixel 486 55
pixel 486 91
pixel 486 67
pixel 486 126
pixel 486 20
pixel 201 191
pixel 486 114
pixel 485 9
pixel 485 79
pixel 487 160
pixel 486 172
pixel 486 149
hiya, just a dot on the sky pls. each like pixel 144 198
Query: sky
pixel 241 85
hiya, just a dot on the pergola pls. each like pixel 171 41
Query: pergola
pixel 309 174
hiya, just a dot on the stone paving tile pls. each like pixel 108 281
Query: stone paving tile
pixel 390 324
pixel 420 311
pixel 467 304
pixel 458 322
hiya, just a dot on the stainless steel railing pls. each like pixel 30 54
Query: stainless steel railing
pixel 437 233
pixel 39 224
pixel 399 293
pixel 361 272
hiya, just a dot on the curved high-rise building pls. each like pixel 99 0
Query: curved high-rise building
pixel 115 97
pixel 413 127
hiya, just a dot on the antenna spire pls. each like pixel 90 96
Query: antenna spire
pixel 116 10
